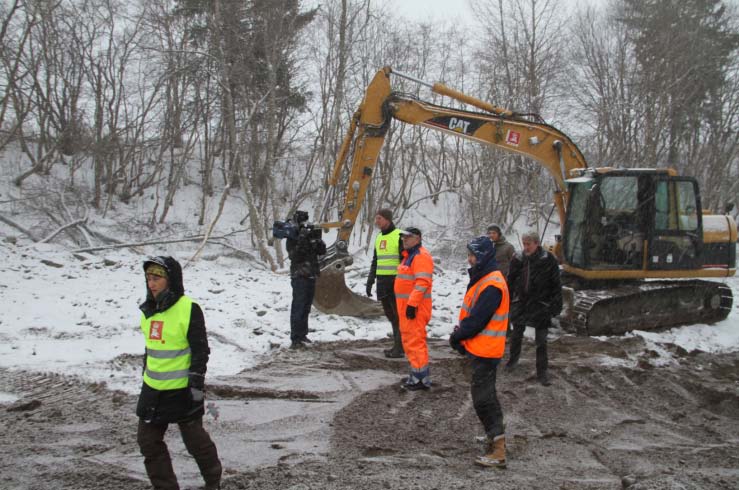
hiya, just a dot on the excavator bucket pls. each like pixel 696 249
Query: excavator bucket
pixel 333 296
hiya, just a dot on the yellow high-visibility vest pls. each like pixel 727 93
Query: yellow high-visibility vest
pixel 387 248
pixel 167 349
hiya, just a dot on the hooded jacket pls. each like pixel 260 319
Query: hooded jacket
pixel 486 304
pixel 169 406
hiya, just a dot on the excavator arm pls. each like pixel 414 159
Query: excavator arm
pixel 493 126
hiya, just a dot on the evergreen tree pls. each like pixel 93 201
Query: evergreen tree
pixel 683 48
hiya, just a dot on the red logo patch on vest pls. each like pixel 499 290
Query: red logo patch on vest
pixel 155 330
pixel 383 244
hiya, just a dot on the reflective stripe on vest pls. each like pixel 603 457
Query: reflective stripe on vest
pixel 167 349
pixel 490 342
pixel 387 248
pixel 414 283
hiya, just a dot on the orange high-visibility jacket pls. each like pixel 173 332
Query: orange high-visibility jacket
pixel 413 283
pixel 490 342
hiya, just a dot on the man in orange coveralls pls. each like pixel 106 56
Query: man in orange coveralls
pixel 413 296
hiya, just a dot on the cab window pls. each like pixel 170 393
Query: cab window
pixel 675 206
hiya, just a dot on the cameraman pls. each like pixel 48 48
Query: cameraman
pixel 303 252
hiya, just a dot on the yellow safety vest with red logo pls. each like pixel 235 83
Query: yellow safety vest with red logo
pixel 490 342
pixel 167 349
pixel 387 249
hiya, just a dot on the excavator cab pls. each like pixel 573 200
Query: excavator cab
pixel 645 221
pixel 627 225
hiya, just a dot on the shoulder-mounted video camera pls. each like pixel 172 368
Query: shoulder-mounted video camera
pixel 296 227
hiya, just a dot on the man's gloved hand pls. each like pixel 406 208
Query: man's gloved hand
pixel 410 312
pixel 196 395
pixel 369 289
pixel 455 343
pixel 196 383
pixel 555 310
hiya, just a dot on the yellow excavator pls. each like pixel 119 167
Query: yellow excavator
pixel 633 242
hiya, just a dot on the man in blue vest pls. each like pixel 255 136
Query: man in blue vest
pixel 384 268
pixel 174 377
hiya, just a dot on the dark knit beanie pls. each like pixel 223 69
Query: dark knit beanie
pixel 385 213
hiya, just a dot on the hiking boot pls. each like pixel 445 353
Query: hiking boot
pixel 543 379
pixel 495 455
pixel 393 354
pixel 413 386
pixel 297 345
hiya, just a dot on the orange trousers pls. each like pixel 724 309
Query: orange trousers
pixel 413 335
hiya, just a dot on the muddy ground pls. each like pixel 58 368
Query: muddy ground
pixel 617 415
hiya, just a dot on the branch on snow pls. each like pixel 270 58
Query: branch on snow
pixel 18 227
pixel 62 228
pixel 153 242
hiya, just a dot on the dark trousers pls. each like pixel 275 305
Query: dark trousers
pixel 542 329
pixel 156 456
pixel 484 397
pixel 390 307
pixel 304 289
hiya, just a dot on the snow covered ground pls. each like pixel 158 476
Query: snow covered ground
pixel 78 313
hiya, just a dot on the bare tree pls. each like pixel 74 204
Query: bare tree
pixel 521 68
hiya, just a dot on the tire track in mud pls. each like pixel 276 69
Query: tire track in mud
pixel 56 424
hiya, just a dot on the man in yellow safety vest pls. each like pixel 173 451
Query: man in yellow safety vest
pixel 384 268
pixel 174 373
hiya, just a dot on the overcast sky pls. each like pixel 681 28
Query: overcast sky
pixel 433 10
pixel 450 10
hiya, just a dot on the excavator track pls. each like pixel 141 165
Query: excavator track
pixel 647 305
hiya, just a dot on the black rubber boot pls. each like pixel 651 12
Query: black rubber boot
pixel 543 378
pixel 397 350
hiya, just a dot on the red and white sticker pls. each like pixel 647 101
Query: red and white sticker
pixel 383 244
pixel 513 138
pixel 155 330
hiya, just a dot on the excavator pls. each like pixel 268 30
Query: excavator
pixel 635 246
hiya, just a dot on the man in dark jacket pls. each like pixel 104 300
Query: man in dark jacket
pixel 536 296
pixel 481 334
pixel 303 252
pixel 175 362
pixel 384 268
